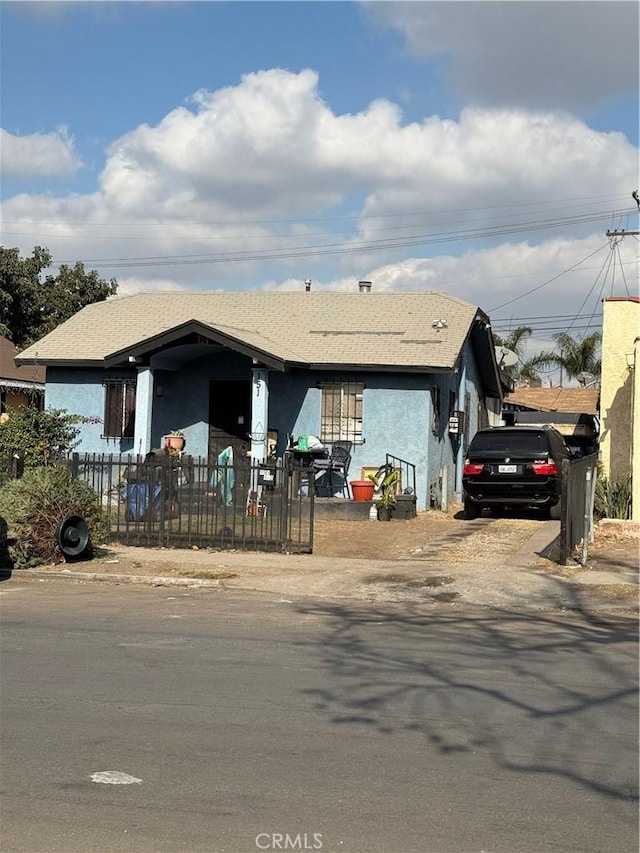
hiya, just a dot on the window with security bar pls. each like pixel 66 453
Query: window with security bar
pixel 119 408
pixel 341 416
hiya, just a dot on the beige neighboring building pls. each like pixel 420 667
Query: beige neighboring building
pixel 620 392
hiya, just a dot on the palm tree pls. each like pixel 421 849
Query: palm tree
pixel 516 341
pixel 574 356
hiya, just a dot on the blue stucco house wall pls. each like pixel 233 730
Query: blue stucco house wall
pixel 399 412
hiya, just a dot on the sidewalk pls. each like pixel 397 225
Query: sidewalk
pixel 478 564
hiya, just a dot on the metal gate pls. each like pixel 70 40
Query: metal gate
pixel 576 520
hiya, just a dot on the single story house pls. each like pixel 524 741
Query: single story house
pixel 19 385
pixel 385 371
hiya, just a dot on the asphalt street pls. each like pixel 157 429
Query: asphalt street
pixel 154 719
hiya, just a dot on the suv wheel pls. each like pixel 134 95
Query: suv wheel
pixel 471 510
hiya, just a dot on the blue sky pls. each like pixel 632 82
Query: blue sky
pixel 478 148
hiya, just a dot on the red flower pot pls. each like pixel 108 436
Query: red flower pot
pixel 362 490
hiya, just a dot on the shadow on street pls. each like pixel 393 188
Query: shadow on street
pixel 548 694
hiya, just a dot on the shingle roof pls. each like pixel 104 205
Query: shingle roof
pixel 583 400
pixel 318 328
pixel 18 377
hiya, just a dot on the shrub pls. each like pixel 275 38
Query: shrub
pixel 613 497
pixel 40 436
pixel 33 507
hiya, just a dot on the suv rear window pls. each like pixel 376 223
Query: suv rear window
pixel 515 442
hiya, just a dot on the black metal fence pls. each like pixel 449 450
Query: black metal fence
pixel 576 519
pixel 164 501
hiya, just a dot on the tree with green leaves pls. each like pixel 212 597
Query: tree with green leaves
pixel 40 436
pixel 573 356
pixel 31 305
pixel 516 341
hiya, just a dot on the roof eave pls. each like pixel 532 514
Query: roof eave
pixel 481 339
pixel 381 368
pixel 62 362
pixel 22 384
pixel 146 347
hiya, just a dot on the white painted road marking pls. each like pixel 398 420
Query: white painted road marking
pixel 114 777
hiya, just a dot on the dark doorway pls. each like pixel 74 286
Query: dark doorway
pixel 229 417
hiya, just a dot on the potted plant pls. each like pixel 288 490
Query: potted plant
pixel 385 492
pixel 174 440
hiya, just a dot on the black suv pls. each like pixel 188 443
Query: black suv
pixel 516 466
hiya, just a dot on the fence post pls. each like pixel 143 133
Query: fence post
pixel 17 466
pixel 587 515
pixel 592 501
pixel 564 513
pixel 288 480
pixel 75 465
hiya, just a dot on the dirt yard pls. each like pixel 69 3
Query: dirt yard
pixel 616 545
pixel 379 539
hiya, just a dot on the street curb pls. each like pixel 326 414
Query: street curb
pixel 618 609
pixel 149 580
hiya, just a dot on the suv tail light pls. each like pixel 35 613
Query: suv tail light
pixel 545 469
pixel 471 468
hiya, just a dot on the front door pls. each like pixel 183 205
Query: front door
pixel 229 417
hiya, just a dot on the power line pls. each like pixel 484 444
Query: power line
pixel 616 247
pixel 605 268
pixel 547 330
pixel 607 264
pixel 340 248
pixel 549 281
pixel 524 321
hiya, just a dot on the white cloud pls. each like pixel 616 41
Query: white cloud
pixel 270 147
pixel 540 54
pixel 266 167
pixel 266 146
pixel 38 155
pixel 510 280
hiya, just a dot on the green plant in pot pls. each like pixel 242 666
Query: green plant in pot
pixel 385 493
pixel 174 442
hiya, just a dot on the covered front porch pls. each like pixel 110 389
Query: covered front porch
pixel 214 392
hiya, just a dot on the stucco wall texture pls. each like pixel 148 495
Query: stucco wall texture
pixel 397 412
pixel 620 392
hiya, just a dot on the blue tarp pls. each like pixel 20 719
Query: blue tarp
pixel 137 498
